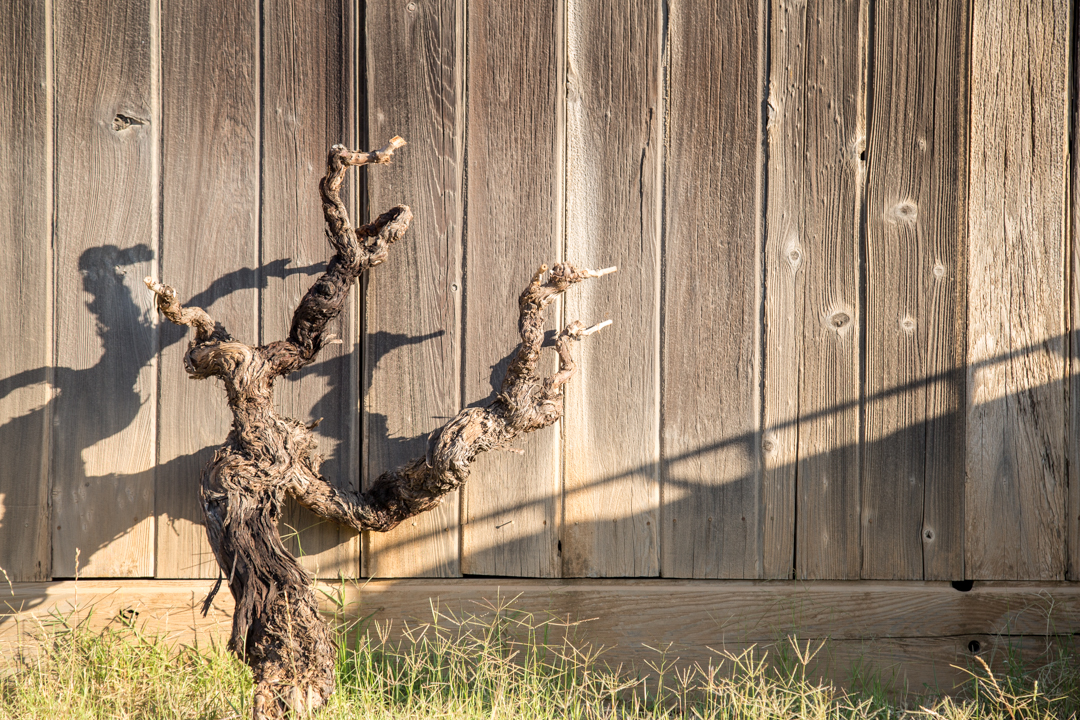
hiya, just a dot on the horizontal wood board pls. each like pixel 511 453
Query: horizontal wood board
pixel 909 632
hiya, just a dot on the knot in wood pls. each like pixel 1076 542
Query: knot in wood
pixel 793 252
pixel 904 212
pixel 839 319
pixel 124 122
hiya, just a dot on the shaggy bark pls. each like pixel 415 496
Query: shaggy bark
pixel 276 625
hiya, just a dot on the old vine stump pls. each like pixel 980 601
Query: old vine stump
pixel 276 626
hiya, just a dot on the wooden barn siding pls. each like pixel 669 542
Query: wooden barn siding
pixel 845 336
pixel 1073 517
pixel 26 276
pixel 162 138
pixel 915 269
pixel 1017 293
pixel 511 518
pixel 412 336
pixel 207 94
pixel 105 233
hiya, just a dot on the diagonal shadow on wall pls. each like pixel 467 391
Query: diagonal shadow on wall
pixel 79 394
pixel 117 316
pixel 916 545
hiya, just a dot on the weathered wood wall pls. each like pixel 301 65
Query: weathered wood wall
pixel 846 336
pixel 180 138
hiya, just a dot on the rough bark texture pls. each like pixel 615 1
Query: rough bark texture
pixel 276 626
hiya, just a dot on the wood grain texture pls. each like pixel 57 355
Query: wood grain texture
pixel 913 476
pixel 105 231
pixel 614 139
pixel 412 338
pixel 170 609
pixel 911 630
pixel 210 245
pixel 711 409
pixel 307 107
pixel 636 612
pixel 1073 517
pixel 515 145
pixel 629 611
pixel 26 274
pixel 1016 485
pixel 816 136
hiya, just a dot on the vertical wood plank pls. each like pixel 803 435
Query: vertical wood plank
pixel 614 137
pixel 412 338
pixel 1016 494
pixel 210 196
pixel 515 145
pixel 1073 521
pixel 712 301
pixel 913 472
pixel 307 107
pixel 816 134
pixel 26 274
pixel 106 337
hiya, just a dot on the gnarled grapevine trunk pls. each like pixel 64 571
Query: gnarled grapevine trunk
pixel 276 625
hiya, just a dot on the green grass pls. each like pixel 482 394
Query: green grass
pixel 499 663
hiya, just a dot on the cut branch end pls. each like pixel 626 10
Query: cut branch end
pixel 158 288
pixel 602 272
pixel 596 328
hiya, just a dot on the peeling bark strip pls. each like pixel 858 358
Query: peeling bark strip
pixel 276 626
